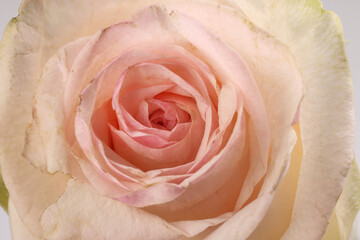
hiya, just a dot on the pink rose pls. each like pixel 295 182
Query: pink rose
pixel 175 120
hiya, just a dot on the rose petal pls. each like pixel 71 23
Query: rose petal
pixel 213 190
pixel 230 67
pixel 151 158
pixel 244 222
pixel 19 230
pixel 100 218
pixel 347 207
pixel 83 136
pixel 26 184
pixel 283 202
pixel 327 118
pixel 267 74
pixel 228 104
pixel 46 145
pixel 178 133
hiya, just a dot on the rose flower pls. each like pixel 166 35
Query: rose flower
pixel 176 119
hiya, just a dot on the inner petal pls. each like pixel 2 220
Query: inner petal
pixel 131 125
pixel 159 119
pixel 148 158
pixel 166 115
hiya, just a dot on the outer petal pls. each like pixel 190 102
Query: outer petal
pixel 19 230
pixel 19 69
pixel 348 205
pixel 98 217
pixel 327 117
pixel 346 208
pixel 45 144
pixel 65 20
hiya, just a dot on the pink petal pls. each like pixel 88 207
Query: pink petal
pixel 230 67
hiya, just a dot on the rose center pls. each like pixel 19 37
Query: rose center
pixel 163 120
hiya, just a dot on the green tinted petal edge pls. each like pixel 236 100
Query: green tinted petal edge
pixel 349 202
pixel 4 195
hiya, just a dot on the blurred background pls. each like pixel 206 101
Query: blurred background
pixel 348 11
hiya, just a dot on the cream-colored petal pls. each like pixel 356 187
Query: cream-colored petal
pixel 348 204
pixel 30 190
pixel 46 145
pixel 333 231
pixel 19 230
pixel 346 208
pixel 67 20
pixel 278 217
pixel 243 223
pixel 81 213
pixel 327 117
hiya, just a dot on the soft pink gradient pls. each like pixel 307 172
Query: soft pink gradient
pixel 166 123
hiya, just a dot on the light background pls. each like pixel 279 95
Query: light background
pixel 348 10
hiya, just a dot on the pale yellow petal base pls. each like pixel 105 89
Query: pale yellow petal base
pixel 346 208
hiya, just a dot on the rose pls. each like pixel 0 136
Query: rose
pixel 82 192
pixel 248 81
